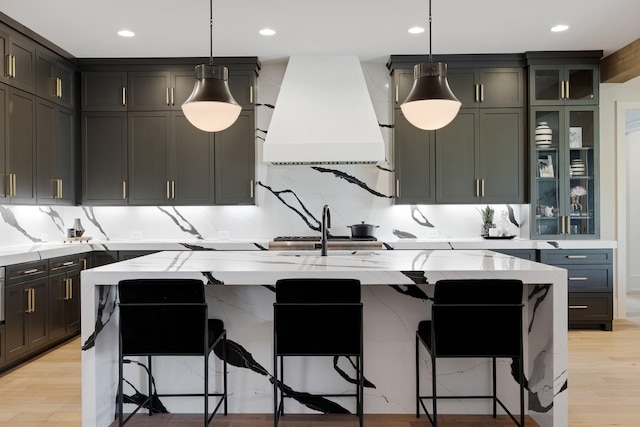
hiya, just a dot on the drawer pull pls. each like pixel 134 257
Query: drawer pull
pixel 33 270
pixel 578 278
pixel 576 256
pixel 67 264
pixel 578 307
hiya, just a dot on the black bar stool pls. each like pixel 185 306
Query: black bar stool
pixel 316 317
pixel 167 317
pixel 473 318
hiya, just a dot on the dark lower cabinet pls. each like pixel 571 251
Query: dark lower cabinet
pixel 528 254
pixel 42 306
pixel 26 317
pixel 590 285
pixel 2 345
pixel 64 297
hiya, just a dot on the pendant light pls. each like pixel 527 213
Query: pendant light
pixel 431 104
pixel 211 106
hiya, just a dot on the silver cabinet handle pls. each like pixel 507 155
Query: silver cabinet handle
pixel 124 96
pixel 167 97
pixel 477 187
pixel 397 188
pixel 251 94
pixel 124 189
pixel 173 189
pixel 59 87
pixel 561 89
pixel 397 90
pixel 60 189
pixel 576 256
pixel 13 185
pixel 482 187
pixel 476 94
pixel 567 95
pixel 67 264
pixel 172 97
pixel 562 222
pixel 251 189
pixel 13 62
pixel 582 279
pixel 168 190
pixel 580 307
pixel 84 263
pixel 33 270
pixel 33 300
pixel 481 93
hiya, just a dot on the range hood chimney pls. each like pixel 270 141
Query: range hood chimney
pixel 323 115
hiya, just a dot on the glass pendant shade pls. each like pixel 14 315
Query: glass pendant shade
pixel 431 104
pixel 211 106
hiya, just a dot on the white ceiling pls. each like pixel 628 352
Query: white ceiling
pixel 373 29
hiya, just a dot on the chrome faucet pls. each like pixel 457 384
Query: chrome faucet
pixel 326 223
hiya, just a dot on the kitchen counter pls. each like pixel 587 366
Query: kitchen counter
pixel 25 253
pixel 397 286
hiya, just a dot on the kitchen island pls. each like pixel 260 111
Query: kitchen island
pixel 397 287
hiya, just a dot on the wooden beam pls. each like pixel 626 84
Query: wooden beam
pixel 621 65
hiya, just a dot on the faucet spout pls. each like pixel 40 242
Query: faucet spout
pixel 326 223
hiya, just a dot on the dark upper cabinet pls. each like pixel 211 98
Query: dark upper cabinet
pixel 20 147
pixel 480 157
pixel 149 135
pixel 403 82
pixel 235 162
pixel 242 85
pixel 414 154
pixel 488 87
pixel 149 91
pixel 159 90
pixel 55 130
pixel 192 180
pixel 104 151
pixel 104 91
pixel 457 151
pixel 54 78
pixel 18 59
pixel 573 84
pixel 4 178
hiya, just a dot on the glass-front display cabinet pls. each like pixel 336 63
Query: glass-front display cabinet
pixel 575 84
pixel 565 158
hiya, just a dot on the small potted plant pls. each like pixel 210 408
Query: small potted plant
pixel 487 220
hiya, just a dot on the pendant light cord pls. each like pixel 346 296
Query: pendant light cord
pixel 211 32
pixel 430 38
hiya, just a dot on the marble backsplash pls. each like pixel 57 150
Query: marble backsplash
pixel 289 199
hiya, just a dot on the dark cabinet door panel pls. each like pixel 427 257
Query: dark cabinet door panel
pixel 56 295
pixel 462 82
pixel 414 162
pixel 149 91
pixel 149 135
pixel 104 142
pixel 182 83
pixel 502 87
pixel 104 91
pixel 235 162
pixel 16 340
pixel 24 53
pixel 21 151
pixel 456 154
pixel 47 186
pixel 65 154
pixel 502 155
pixel 193 148
pixel 4 96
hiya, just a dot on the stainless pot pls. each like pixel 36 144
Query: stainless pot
pixel 362 230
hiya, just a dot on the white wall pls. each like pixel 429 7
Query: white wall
pixel 614 98
pixel 633 214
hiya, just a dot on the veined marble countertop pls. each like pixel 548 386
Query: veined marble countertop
pixel 24 253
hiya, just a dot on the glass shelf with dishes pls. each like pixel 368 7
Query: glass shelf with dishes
pixel 564 156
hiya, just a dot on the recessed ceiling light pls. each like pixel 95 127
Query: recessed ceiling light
pixel 416 30
pixel 126 33
pixel 267 32
pixel 559 28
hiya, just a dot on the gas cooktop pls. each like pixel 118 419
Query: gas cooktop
pixel 317 238
pixel 287 243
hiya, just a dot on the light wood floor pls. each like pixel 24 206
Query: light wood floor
pixel 604 388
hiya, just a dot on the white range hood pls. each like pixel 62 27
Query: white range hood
pixel 323 115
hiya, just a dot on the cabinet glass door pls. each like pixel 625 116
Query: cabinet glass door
pixel 581 202
pixel 582 85
pixel 565 157
pixel 546 84
pixel 549 159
